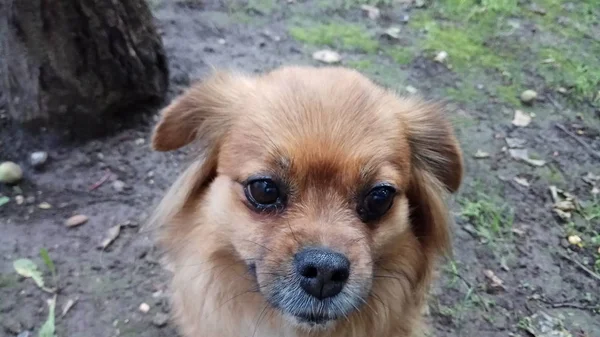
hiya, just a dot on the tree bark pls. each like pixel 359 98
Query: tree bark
pixel 79 63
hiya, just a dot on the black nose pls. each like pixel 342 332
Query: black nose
pixel 322 272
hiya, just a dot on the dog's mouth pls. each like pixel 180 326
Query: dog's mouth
pixel 314 319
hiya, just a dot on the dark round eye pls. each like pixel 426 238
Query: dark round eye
pixel 377 202
pixel 263 193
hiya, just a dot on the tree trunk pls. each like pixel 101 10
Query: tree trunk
pixel 78 63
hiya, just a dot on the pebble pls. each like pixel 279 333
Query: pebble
pixel 24 334
pixel 44 205
pixel 528 96
pixel 76 220
pixel 441 57
pixel 574 239
pixel 160 319
pixel 411 90
pixel 10 173
pixel 19 199
pixel 118 185
pixel 38 159
pixel 327 56
pixel 144 307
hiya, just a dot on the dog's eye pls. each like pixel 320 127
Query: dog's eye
pixel 376 203
pixel 263 193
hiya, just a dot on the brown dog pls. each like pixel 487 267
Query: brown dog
pixel 315 206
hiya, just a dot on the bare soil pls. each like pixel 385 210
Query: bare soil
pixel 110 284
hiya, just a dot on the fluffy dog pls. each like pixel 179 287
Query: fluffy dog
pixel 315 206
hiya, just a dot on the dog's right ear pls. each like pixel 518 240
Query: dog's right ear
pixel 204 111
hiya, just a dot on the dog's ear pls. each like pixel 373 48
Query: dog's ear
pixel 202 112
pixel 437 168
pixel 434 147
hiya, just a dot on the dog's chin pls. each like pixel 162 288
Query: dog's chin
pixel 311 322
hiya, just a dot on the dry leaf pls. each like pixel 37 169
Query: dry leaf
pixel 327 56
pixel 521 181
pixel 481 154
pixel 494 281
pixel 393 32
pixel 67 306
pixel 372 11
pixel 76 220
pixel 111 236
pixel 523 155
pixel 565 205
pixel 44 205
pixel 521 119
pixel 515 143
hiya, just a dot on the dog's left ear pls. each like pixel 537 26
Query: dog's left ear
pixel 433 144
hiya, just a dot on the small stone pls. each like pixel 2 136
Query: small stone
pixel 76 220
pixel 528 96
pixel 10 173
pixel 405 18
pixel 44 205
pixel 564 243
pixel 160 319
pixel 19 199
pixel 38 159
pixel 100 156
pixel 144 308
pixel 327 56
pixel 222 41
pixel 562 90
pixel 393 32
pixel 24 334
pixel 118 185
pixel 411 90
pixel 441 57
pixel 574 239
pixel 480 154
pixel 140 141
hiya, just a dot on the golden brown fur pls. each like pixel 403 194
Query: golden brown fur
pixel 328 133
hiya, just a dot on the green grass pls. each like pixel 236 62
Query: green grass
pixel 400 55
pixel 342 36
pixel 492 220
pixel 361 65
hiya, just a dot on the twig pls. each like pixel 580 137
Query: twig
pixel 581 266
pixel 101 181
pixel 554 102
pixel 587 146
pixel 574 306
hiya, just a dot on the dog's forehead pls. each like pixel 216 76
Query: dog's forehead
pixel 320 125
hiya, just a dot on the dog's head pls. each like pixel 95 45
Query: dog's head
pixel 324 184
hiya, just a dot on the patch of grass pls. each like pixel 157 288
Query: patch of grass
pixel 579 71
pixel 465 94
pixel 360 65
pixel 491 219
pixel 508 94
pixel 400 55
pixel 337 35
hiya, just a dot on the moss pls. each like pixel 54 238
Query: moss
pixel 508 94
pixel 400 55
pixel 337 35
pixel 465 94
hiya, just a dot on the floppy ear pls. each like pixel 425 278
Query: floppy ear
pixel 437 169
pixel 433 144
pixel 202 112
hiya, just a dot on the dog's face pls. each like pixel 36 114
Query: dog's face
pixel 314 179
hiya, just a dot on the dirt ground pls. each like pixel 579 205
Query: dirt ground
pixel 507 222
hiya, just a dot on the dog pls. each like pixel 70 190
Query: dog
pixel 315 205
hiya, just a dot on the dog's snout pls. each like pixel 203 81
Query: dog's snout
pixel 322 272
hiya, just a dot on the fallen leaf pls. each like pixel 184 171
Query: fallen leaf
pixel 44 205
pixel 515 143
pixel 495 281
pixel 49 329
pixel 144 307
pixel 327 56
pixel 543 325
pixel 68 306
pixel 481 154
pixel 565 205
pixel 28 269
pixel 111 236
pixel 521 181
pixel 523 155
pixel 4 201
pixel 76 220
pixel 393 32
pixel 372 11
pixel 521 119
